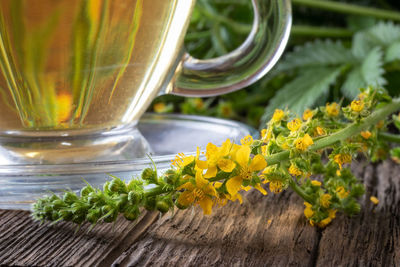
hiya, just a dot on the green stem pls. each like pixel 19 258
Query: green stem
pixel 299 191
pixel 394 138
pixel 312 31
pixel 350 9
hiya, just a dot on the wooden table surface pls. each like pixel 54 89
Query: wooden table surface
pixel 269 231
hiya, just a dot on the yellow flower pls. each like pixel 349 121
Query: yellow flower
pixel 374 200
pixel 278 115
pixel 214 154
pixel 315 183
pixel 276 186
pixel 341 192
pixel 323 223
pixel 226 165
pixel 332 109
pixel 308 212
pixel 303 143
pixel 341 159
pixel 308 114
pixel 293 170
pixel 203 193
pixel 357 105
pixel 247 140
pixel 294 125
pixel 266 134
pixel 366 134
pixel 320 131
pixel 264 150
pixel 181 160
pixel 325 200
pixel 246 170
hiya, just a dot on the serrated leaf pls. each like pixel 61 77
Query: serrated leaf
pixel 369 72
pixel 371 68
pixel 383 34
pixel 303 91
pixel 393 52
pixel 353 82
pixel 317 53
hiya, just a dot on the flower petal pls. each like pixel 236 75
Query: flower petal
pixel 188 185
pixel 211 172
pixel 201 164
pixel 226 165
pixel 200 181
pixel 206 204
pixel 186 198
pixel 225 148
pixel 233 185
pixel 243 155
pixel 258 163
pixel 259 188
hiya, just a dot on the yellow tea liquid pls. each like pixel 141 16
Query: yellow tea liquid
pixel 73 64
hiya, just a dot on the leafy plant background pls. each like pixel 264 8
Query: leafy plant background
pixel 329 56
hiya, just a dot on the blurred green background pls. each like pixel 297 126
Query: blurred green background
pixel 335 47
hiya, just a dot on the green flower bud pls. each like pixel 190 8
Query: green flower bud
pixel 70 198
pixel 111 217
pixel 66 215
pixel 162 206
pixel 122 202
pixel 131 213
pixel 170 177
pixel 149 174
pixel 48 211
pixel 86 190
pixel 117 186
pixel 78 218
pixel 133 197
pixel 150 203
pixel 105 187
pixel 93 216
pixel 357 190
pixel 55 216
pixel 57 204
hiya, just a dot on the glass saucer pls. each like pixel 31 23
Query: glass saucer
pixel 167 135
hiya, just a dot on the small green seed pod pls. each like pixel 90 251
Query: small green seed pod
pixel 65 214
pixel 70 198
pixel 150 203
pixel 162 206
pixel 131 213
pixel 170 177
pixel 122 202
pixel 117 186
pixel 57 204
pixel 78 218
pixel 93 216
pixel 86 190
pixel 149 174
pixel 133 197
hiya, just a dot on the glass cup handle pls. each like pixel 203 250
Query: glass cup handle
pixel 246 64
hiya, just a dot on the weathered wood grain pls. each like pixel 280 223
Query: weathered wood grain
pixel 371 238
pixel 267 231
pixel 24 242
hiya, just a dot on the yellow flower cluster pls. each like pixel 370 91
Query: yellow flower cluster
pixel 231 159
pixel 341 159
pixel 302 143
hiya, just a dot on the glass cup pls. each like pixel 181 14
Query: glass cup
pixel 77 75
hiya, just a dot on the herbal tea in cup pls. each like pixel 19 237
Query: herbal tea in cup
pixel 76 75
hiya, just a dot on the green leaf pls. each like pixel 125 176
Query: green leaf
pixel 393 52
pixel 303 91
pixel 369 72
pixel 383 34
pixel 317 53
